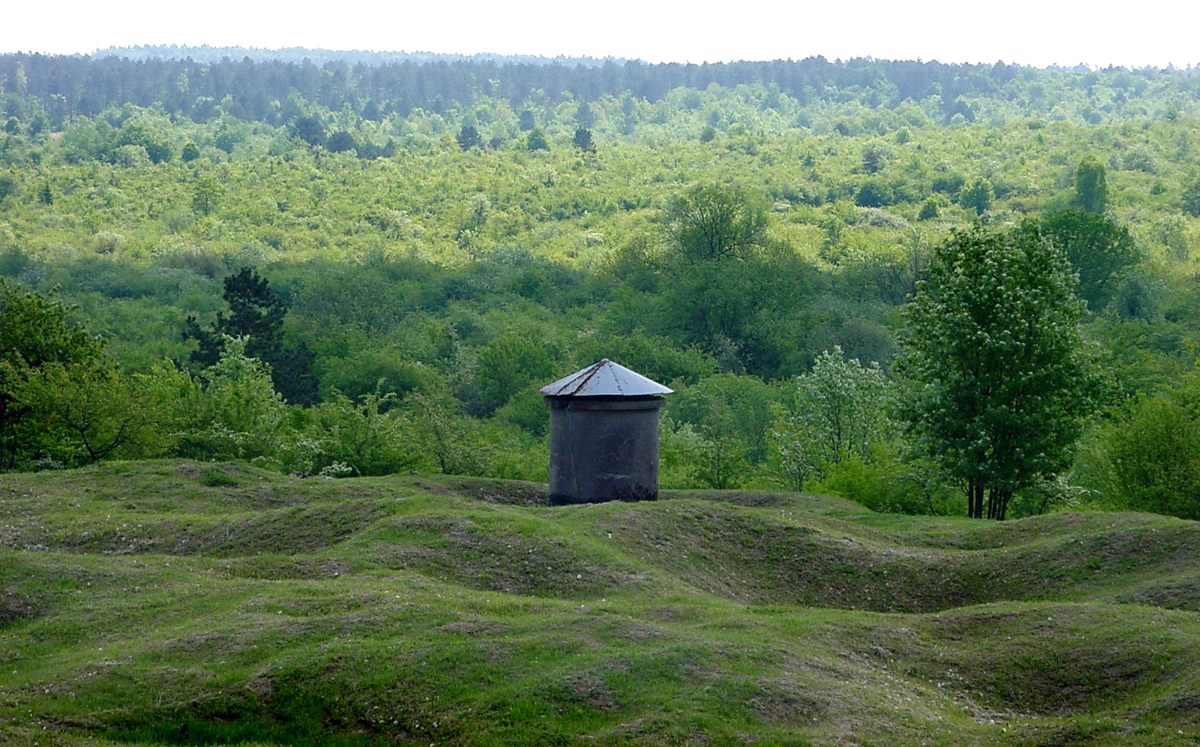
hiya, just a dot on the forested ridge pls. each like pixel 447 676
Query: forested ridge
pixel 371 85
pixel 368 266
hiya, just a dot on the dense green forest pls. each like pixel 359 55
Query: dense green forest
pixel 368 266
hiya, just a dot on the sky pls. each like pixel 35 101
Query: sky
pixel 1042 32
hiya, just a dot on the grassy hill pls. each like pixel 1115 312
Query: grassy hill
pixel 183 603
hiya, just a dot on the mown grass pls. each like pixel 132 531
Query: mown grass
pixel 174 603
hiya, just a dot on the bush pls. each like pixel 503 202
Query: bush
pixel 882 483
pixel 1155 453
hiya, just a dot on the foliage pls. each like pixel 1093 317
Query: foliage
pixel 88 411
pixel 36 336
pixel 343 438
pixel 234 412
pixel 1154 450
pixel 835 412
pixel 1091 187
pixel 584 141
pixel 256 315
pixel 737 407
pixel 536 140
pixel 399 256
pixel 978 196
pixel 999 384
pixel 509 365
pixel 709 223
pixel 468 137
pixel 1100 251
pixel 882 482
pixel 1189 200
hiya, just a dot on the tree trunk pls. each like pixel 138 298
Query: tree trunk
pixel 998 503
pixel 974 499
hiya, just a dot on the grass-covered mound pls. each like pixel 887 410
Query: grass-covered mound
pixel 180 603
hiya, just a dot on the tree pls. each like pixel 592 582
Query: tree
pixel 525 120
pixel 507 366
pixel 1091 187
pixel 310 129
pixel 342 142
pixel 1154 451
pixel 583 140
pixel 468 137
pixel 978 196
pixel 585 116
pixel 1100 251
pixel 35 332
pixel 536 140
pixel 236 414
pixel 256 314
pixel 1190 199
pixel 999 385
pixel 92 408
pixel 205 195
pixel 712 222
pixel 836 411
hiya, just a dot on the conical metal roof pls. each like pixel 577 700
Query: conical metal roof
pixel 604 379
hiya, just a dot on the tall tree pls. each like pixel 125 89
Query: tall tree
pixel 256 313
pixel 1091 187
pixel 991 347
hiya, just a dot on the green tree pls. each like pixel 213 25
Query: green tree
pixel 310 129
pixel 1100 251
pixel 205 195
pixel 836 411
pixel 1190 199
pixel 713 222
pixel 978 196
pixel 256 314
pixel 525 120
pixel 536 140
pixel 446 436
pixel 1091 187
pixel 468 137
pixel 508 365
pixel 92 409
pixel 342 142
pixel 235 413
pixel 583 140
pixel 999 385
pixel 35 332
pixel 357 438
pixel 737 407
pixel 1154 451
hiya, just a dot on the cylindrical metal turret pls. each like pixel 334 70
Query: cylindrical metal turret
pixel 603 435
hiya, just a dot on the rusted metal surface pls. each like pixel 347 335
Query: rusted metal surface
pixel 604 379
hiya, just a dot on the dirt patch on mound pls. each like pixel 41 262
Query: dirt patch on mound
pixel 14 608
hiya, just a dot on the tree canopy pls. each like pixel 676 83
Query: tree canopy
pixel 998 381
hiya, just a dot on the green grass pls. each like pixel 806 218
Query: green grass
pixel 175 603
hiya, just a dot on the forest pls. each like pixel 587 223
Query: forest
pixel 368 265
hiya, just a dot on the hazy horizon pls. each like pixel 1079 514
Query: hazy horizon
pixel 1028 33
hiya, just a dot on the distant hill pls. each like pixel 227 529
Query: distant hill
pixel 190 603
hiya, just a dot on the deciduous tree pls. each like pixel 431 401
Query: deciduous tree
pixel 999 384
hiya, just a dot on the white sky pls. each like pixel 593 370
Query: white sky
pixel 1036 32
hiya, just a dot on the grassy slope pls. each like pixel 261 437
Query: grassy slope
pixel 179 603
